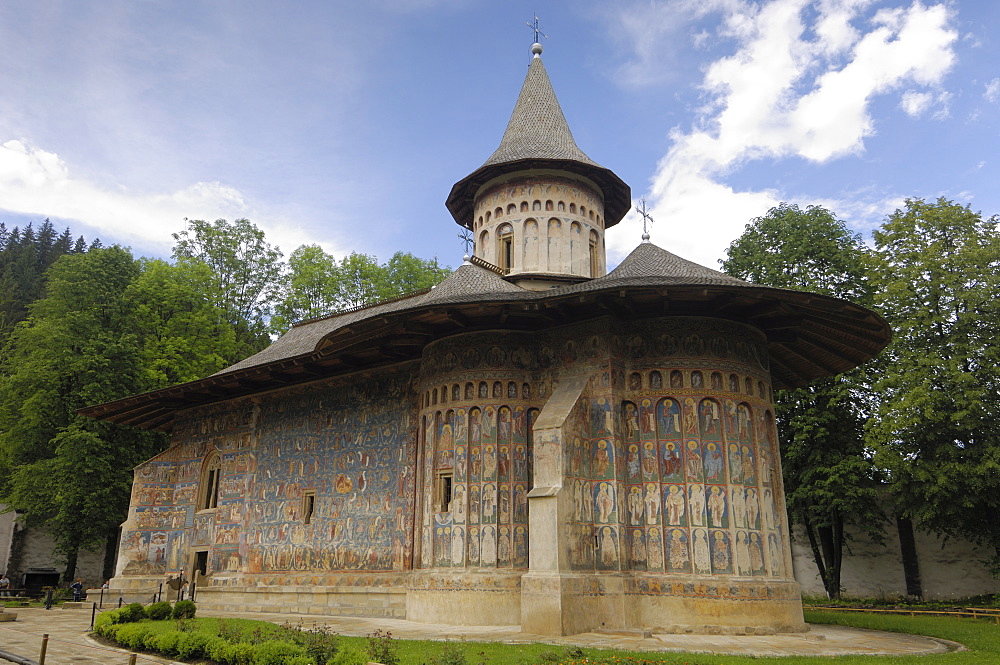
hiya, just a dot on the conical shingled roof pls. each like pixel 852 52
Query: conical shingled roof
pixel 469 280
pixel 538 137
pixel 649 261
pixel 537 128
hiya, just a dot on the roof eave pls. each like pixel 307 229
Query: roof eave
pixel 808 336
pixel 617 194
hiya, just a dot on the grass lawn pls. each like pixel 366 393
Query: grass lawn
pixel 981 637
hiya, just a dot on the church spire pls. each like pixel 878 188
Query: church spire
pixel 538 137
pixel 537 128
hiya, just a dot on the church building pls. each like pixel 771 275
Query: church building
pixel 536 441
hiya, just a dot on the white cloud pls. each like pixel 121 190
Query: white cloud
pixel 798 85
pixel 37 182
pixel 992 93
pixel 915 103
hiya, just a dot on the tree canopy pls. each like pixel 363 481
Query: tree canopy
pixel 937 265
pixel 246 270
pixel 85 324
pixel 829 478
pixel 318 284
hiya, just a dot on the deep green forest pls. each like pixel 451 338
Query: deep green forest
pixel 83 324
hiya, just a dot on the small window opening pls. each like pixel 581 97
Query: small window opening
pixel 506 253
pixel 210 499
pixel 443 495
pixel 308 506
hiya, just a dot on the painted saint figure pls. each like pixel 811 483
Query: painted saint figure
pixel 716 506
pixel 702 554
pixel 635 505
pixel 696 502
pixel 652 501
pixel 605 502
pixel 674 505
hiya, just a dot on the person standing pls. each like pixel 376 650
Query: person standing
pixel 77 588
pixel 4 585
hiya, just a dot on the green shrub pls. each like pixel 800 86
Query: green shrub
pixel 349 656
pixel 319 644
pixel 158 611
pixel 184 609
pixel 382 648
pixel 166 643
pixel 110 631
pixel 451 654
pixel 214 645
pixel 300 660
pixel 133 635
pixel 239 653
pixel 131 613
pixel 104 619
pixel 192 645
pixel 217 649
pixel 277 653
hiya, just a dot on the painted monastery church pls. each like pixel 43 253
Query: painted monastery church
pixel 535 441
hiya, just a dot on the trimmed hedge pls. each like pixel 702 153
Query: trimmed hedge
pixel 184 609
pixel 159 611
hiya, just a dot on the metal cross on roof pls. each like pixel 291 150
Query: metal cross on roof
pixel 647 219
pixel 466 238
pixel 534 26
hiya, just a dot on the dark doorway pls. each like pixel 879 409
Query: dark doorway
pixel 200 564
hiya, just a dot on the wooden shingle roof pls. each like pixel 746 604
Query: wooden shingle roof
pixel 808 335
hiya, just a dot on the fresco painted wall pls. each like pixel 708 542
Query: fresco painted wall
pixel 478 407
pixel 349 443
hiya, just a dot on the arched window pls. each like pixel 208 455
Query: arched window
pixel 498 212
pixel 511 209
pixel 505 247
pixel 537 205
pixel 488 216
pixel 561 207
pixel 524 206
pixel 548 206
pixel 595 255
pixel 484 244
pixel 572 208
pixel 211 471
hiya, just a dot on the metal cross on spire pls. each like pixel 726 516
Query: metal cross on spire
pixel 466 238
pixel 647 219
pixel 535 26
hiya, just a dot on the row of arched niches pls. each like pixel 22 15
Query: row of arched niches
pixel 671 470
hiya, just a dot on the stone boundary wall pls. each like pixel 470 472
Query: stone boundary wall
pixel 948 568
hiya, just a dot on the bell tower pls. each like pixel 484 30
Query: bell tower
pixel 539 206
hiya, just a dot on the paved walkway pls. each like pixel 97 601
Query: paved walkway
pixel 69 645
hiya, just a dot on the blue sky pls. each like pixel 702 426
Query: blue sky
pixel 345 124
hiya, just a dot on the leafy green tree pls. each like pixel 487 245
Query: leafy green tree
pixel 830 480
pixel 247 273
pixel 77 347
pixel 108 327
pixel 359 281
pixel 318 285
pixel 184 334
pixel 309 288
pixel 938 270
pixel 406 273
pixel 25 255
